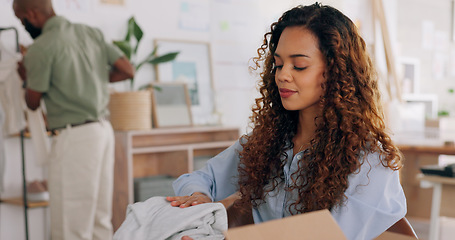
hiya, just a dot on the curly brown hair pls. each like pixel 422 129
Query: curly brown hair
pixel 351 124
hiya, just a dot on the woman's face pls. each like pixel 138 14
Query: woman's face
pixel 299 69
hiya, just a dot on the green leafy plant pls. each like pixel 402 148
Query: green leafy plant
pixel 443 113
pixel 446 113
pixel 130 45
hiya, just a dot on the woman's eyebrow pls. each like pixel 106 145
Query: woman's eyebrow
pixel 293 55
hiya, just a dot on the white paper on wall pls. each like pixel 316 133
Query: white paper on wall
pixel 427 35
pixel 194 15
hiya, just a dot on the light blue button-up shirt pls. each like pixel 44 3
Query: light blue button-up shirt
pixel 375 198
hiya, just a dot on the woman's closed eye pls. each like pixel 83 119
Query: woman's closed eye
pixel 299 68
pixel 295 67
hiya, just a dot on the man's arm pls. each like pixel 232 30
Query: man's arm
pixel 32 98
pixel 121 70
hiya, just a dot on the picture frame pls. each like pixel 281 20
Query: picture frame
pixel 192 66
pixel 430 102
pixel 170 105
pixel 113 2
pixel 410 73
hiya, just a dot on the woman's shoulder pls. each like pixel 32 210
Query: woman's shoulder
pixel 372 170
pixel 372 156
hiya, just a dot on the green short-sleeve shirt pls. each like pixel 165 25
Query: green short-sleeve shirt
pixel 70 63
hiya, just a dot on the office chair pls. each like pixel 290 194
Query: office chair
pixel 403 227
pixel 239 216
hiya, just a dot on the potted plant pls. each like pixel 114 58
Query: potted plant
pixel 445 112
pixel 132 109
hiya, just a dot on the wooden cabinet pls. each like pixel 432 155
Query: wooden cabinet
pixel 419 199
pixel 161 151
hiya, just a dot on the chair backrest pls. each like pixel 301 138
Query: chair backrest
pixel 239 216
pixel 403 227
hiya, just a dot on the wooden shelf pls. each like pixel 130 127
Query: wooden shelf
pixel 210 145
pixel 18 201
pixel 417 155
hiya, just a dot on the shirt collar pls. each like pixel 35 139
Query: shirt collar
pixel 53 22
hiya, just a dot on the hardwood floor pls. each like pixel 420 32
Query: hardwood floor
pixel 422 227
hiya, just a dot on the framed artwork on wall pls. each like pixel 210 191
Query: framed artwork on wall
pixel 115 2
pixel 430 102
pixel 192 66
pixel 170 105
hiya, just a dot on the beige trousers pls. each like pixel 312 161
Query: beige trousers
pixel 81 182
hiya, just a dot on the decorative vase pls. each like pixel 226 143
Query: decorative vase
pixel 131 110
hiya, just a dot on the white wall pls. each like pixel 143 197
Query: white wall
pixel 244 21
pixel 232 48
pixel 412 14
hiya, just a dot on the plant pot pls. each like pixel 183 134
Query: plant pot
pixel 131 110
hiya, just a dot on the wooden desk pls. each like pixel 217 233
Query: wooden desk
pixel 438 183
pixel 165 151
pixel 419 199
pixel 446 150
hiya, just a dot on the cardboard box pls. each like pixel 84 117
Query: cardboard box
pixel 309 226
pixel 393 236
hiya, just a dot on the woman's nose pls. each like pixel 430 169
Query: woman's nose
pixel 283 74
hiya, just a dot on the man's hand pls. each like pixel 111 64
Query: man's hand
pixel 20 65
pixel 121 70
pixel 23 49
pixel 21 71
pixel 188 201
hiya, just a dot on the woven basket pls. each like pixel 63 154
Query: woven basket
pixel 131 110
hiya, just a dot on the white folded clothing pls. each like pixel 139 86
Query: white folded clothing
pixel 38 197
pixel 156 219
pixel 37 191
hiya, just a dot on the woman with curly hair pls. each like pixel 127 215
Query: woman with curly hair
pixel 318 139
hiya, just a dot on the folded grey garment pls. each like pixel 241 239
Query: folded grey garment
pixel 156 219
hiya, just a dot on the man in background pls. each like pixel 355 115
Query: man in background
pixel 69 66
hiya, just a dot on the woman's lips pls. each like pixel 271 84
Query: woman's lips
pixel 285 93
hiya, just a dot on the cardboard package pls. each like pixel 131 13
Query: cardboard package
pixel 309 226
pixel 393 236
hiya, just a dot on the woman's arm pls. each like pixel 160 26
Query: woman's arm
pixel 215 182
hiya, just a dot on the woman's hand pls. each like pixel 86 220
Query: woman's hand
pixel 188 201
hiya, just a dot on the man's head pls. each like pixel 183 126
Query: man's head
pixel 33 14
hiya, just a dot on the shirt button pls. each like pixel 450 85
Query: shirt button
pixel 299 156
